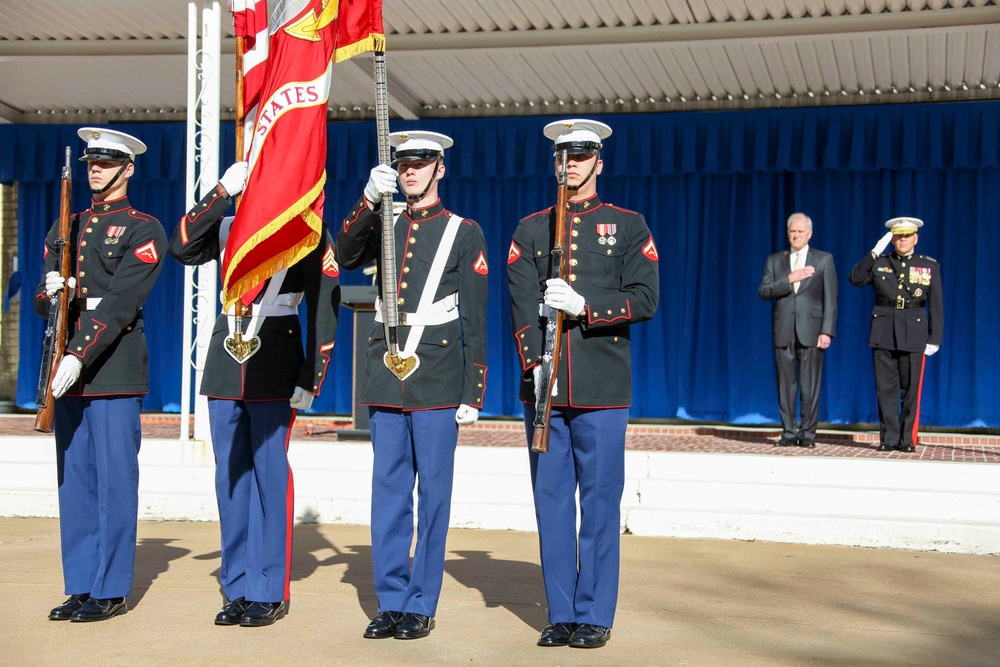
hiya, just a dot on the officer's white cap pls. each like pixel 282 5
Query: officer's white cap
pixel 104 144
pixel 577 132
pixel 419 145
pixel 904 225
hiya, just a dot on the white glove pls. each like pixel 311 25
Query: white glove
pixel 466 414
pixel 931 349
pixel 66 375
pixel 882 244
pixel 537 375
pixel 559 295
pixel 54 282
pixel 381 181
pixel 301 399
pixel 235 178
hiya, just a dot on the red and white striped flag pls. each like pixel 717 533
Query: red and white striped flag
pixel 287 65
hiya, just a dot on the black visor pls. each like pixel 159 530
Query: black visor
pixel 104 154
pixel 577 148
pixel 417 155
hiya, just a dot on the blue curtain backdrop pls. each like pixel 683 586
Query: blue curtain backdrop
pixel 716 188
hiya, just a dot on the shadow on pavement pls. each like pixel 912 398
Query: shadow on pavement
pixel 152 558
pixel 512 584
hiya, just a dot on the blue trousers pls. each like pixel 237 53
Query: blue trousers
pixel 411 446
pixel 586 451
pixel 97 459
pixel 254 489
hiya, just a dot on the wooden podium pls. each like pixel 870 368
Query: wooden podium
pixel 360 299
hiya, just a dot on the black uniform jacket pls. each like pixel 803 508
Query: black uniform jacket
pixel 909 304
pixel 452 366
pixel 801 316
pixel 117 253
pixel 280 364
pixel 619 280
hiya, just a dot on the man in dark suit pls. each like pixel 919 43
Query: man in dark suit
pixel 802 283
pixel 907 327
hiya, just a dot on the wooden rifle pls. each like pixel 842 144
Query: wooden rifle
pixel 553 325
pixel 56 330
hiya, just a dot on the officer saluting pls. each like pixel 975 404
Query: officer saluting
pixel 415 414
pixel 613 283
pixel 907 326
pixel 252 401
pixel 117 253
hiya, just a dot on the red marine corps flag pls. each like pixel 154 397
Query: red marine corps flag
pixel 291 47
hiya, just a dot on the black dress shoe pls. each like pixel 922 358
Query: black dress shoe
pixel 65 611
pixel 414 626
pixel 95 609
pixel 886 448
pixel 262 613
pixel 906 448
pixel 383 625
pixel 232 612
pixel 590 636
pixel 557 634
pixel 806 442
pixel 784 442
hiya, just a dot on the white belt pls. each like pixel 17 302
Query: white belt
pixel 280 306
pixel 439 312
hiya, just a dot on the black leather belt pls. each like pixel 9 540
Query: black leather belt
pixel 899 303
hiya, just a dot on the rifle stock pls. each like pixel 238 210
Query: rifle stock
pixel 56 332
pixel 553 327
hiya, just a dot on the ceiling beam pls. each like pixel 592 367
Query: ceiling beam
pixel 402 102
pixel 10 114
pixel 966 17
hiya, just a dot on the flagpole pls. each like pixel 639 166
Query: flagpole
pixel 388 268
pixel 239 309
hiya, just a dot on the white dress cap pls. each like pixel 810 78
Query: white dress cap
pixel 419 145
pixel 577 131
pixel 104 144
pixel 904 225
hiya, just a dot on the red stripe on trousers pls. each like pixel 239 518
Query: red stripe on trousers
pixel 290 508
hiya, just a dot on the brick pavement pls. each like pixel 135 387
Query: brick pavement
pixel 975 448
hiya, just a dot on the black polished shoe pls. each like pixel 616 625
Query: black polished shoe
pixel 906 448
pixel 557 634
pixel 806 442
pixel 65 611
pixel 414 626
pixel 383 625
pixel 590 636
pixel 886 448
pixel 232 612
pixel 95 609
pixel 262 613
pixel 784 442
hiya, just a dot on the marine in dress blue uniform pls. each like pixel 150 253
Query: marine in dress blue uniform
pixel 252 405
pixel 907 326
pixel 415 420
pixel 116 255
pixel 613 283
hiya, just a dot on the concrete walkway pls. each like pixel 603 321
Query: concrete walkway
pixel 682 602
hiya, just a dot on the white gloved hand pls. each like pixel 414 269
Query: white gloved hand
pixel 466 414
pixel 235 178
pixel 931 349
pixel 301 399
pixel 54 282
pixel 559 295
pixel 381 181
pixel 536 373
pixel 882 244
pixel 66 375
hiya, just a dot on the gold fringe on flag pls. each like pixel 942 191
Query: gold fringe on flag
pixel 279 262
pixel 373 42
